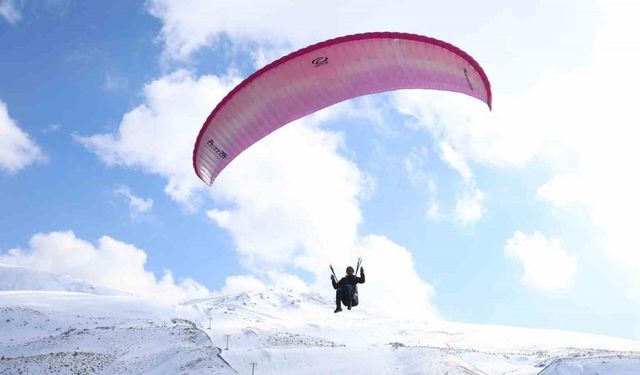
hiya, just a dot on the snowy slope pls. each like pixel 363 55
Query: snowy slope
pixel 20 278
pixel 70 333
pixel 617 365
pixel 55 324
pixel 298 333
pixel 280 331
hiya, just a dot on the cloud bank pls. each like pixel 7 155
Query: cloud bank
pixel 108 263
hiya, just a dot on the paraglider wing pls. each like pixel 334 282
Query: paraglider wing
pixel 324 74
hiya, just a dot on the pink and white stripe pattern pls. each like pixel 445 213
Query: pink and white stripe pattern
pixel 324 74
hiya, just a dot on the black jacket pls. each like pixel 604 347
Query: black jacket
pixel 353 280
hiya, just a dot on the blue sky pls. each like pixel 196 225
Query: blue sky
pixel 524 216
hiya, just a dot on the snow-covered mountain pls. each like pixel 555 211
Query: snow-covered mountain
pixel 286 332
pixel 274 332
pixel 55 324
pixel 78 333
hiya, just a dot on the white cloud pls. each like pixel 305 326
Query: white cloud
pixel 470 208
pixel 434 212
pixel 564 189
pixel 467 131
pixel 278 280
pixel 190 25
pixel 393 286
pixel 287 281
pixel 17 150
pixel 9 11
pixel 110 263
pixel 414 166
pixel 158 136
pixel 547 266
pixel 455 161
pixel 137 205
pixel 242 283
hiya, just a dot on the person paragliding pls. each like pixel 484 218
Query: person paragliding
pixel 347 288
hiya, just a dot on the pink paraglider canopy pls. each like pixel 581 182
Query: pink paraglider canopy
pixel 324 74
